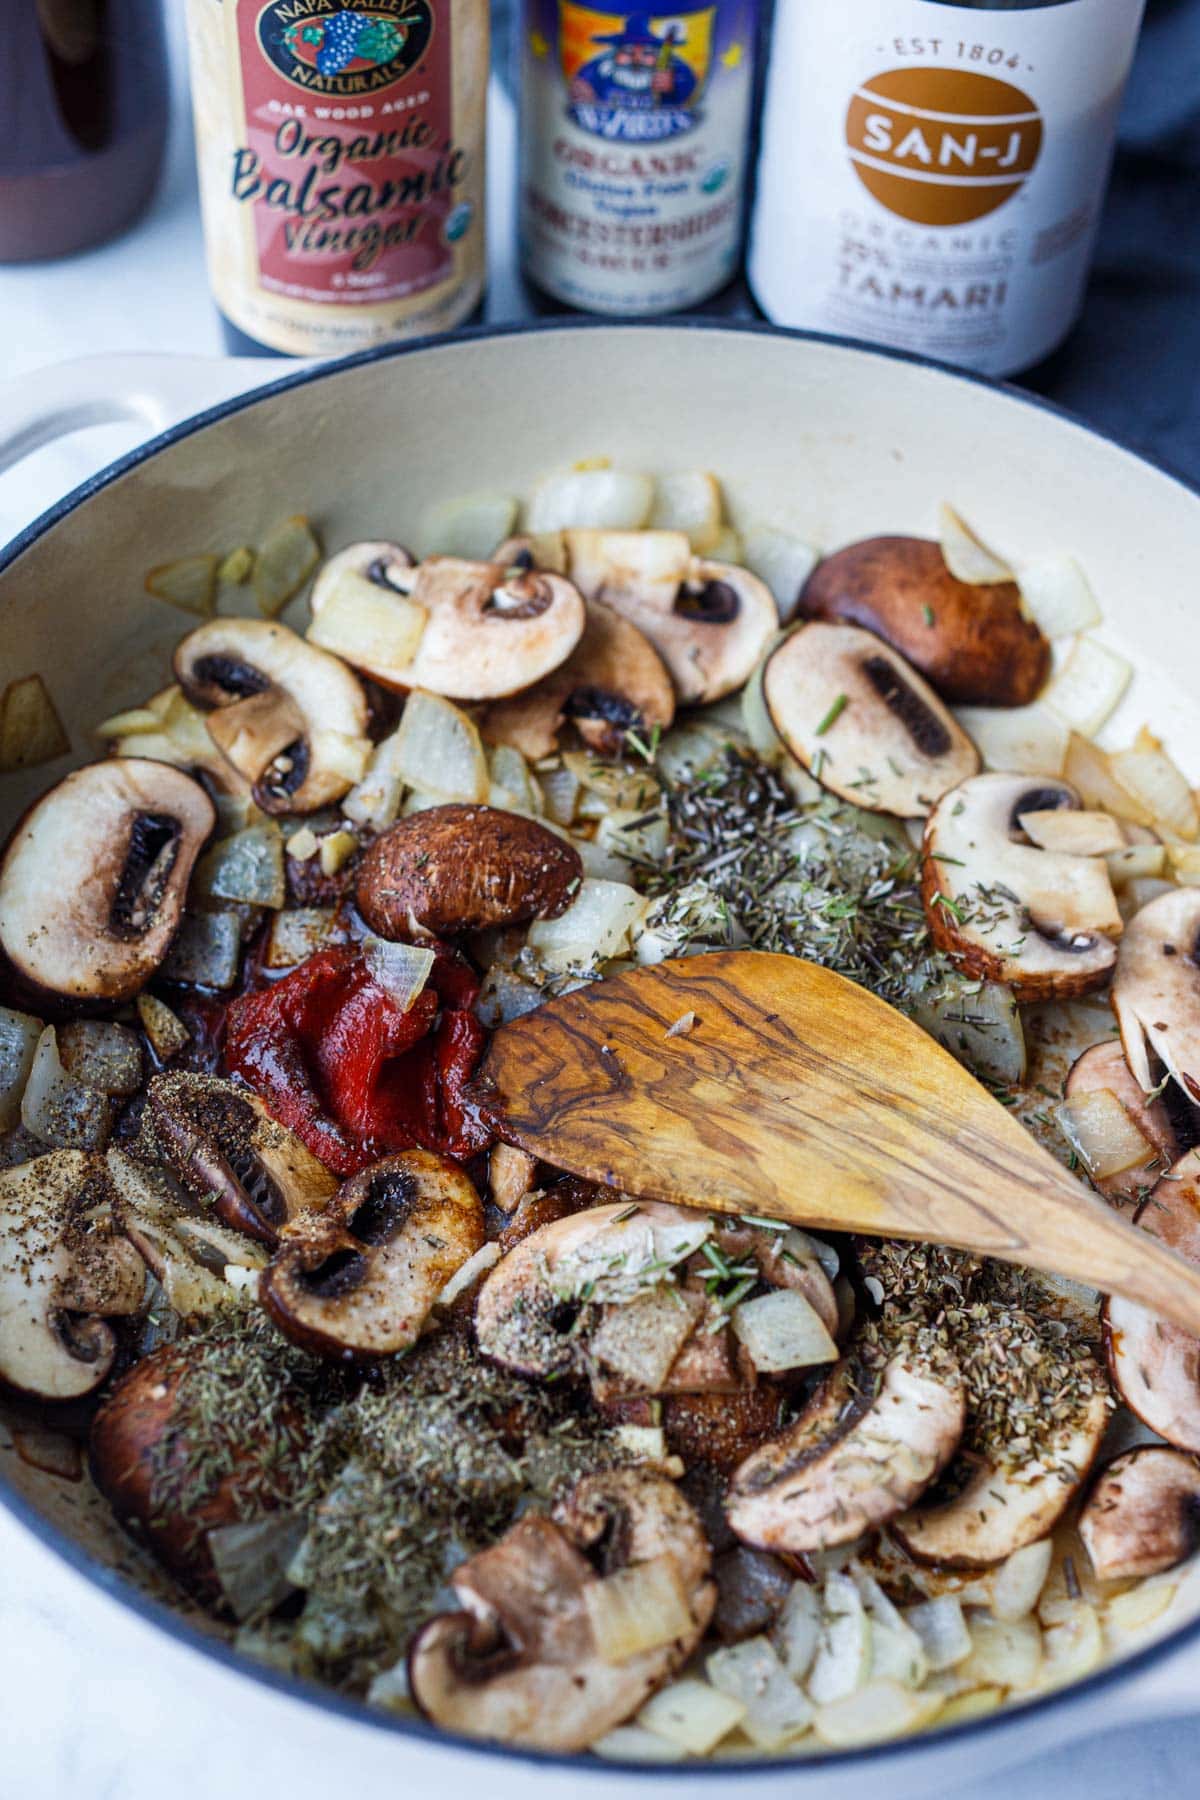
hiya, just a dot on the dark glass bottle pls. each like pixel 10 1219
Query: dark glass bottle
pixel 84 104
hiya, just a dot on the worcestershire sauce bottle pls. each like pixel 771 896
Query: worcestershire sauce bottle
pixel 341 154
pixel 932 171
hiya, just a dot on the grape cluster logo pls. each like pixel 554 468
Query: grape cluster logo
pixel 635 76
pixel 344 50
pixel 942 146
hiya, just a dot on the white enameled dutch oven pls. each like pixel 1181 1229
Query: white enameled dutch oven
pixel 820 437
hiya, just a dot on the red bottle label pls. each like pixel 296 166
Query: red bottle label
pixel 348 158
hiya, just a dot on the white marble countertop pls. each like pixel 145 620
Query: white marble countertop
pixel 94 1703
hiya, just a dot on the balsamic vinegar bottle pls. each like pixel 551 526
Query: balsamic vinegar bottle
pixel 932 171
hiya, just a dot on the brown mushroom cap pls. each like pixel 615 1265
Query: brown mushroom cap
pixel 520 1662
pixel 613 682
pixel 1142 1515
pixel 459 868
pixel 1154 1365
pixel 360 1279
pixel 94 878
pixel 970 641
pixel 1103 1068
pixel 1156 989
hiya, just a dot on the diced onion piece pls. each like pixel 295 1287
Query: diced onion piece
pixel 843 1659
pixel 1184 861
pixel 897 1655
pixel 639 1340
pixel 137 721
pixel 689 501
pixel 246 868
pixel 596 927
pixel 1102 1134
pixel 189 583
pixel 781 1330
pixel 504 996
pixel 639 1608
pixel 782 560
pixel 57 1108
pixel 806 1248
pixel 979 1022
pixel 1140 1607
pixel 439 750
pixel 796 1632
pixel 401 970
pixel 644 1443
pixel 19 1037
pixel 342 754
pixel 976 1703
pixel 237 567
pixel 1147 772
pixel 692 1714
pixel 633 1743
pixel 612 783
pixel 1089 770
pixel 513 785
pixel 369 626
pixel 591 499
pixel 966 556
pixel 103 1055
pixel 1073 1645
pixel 1142 890
pixel 286 559
pixel 560 791
pixel 1088 688
pixel 1134 860
pixel 485 1258
pixel 470 526
pixel 1018 740
pixel 31 732
pixel 776 1710
pixel 1015 1586
pixel 251 1560
pixel 1072 831
pixel 942 1630
pixel 167 1033
pixel 757 723
pixel 1005 1651
pixel 295 934
pixel 206 951
pixel 633 836
pixel 1057 596
pixel 883 1709
pixel 335 851
pixel 727 546
pixel 375 800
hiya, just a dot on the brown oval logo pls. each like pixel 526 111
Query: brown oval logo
pixel 942 146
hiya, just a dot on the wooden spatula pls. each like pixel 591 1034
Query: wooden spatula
pixel 796 1095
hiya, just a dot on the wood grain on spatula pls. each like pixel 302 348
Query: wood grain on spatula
pixel 798 1095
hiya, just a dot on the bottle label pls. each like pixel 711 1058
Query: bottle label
pixel 342 173
pixel 634 129
pixel 932 174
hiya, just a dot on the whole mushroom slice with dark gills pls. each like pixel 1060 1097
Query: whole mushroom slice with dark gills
pixel 63 1275
pixel 1156 990
pixel 1042 921
pixel 864 723
pixel 868 1444
pixel 290 718
pixel 970 641
pixel 1154 1365
pixel 1142 1515
pixel 710 622
pixel 465 630
pixel 457 868
pixel 614 682
pixel 94 878
pixel 222 1144
pixel 360 1279
pixel 1102 1070
pixel 570 1623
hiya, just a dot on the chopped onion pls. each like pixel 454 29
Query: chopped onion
pixel 897 1655
pixel 796 1632
pixel 1013 1589
pixel 883 1709
pixel 236 567
pixel 691 748
pixel 783 561
pixel 597 925
pixel 19 1037
pixel 843 1659
pixel 135 722
pixel 806 1248
pixel 692 1714
pixel 375 800
pixel 60 1110
pixel 643 1443
pixel 1018 740
pixel 247 868
pixel 286 559
pixel 781 1330
pixel 1102 1134
pixel 757 723
pixel 1147 772
pixel 979 1022
pixel 1184 860
pixel 1088 688
pixel 401 970
pixel 966 556
pixel 689 501
pixel 727 546
pixel 1134 860
pixel 640 1339
pixel 1005 1651
pixel 206 951
pixel 513 786
pixel 637 1609
pixel 251 1561
pixel 369 626
pixel 31 732
pixel 1073 1645
pixel 189 583
pixel 52 1452
pixel 335 851
pixel 1058 597
pixel 611 783
pixel 560 791
pixel 341 754
pixel 1140 1607
pixel 102 1055
pixel 295 934
pixel 470 526
pixel 595 498
pixel 504 996
pixel 776 1711
pixel 633 1743
pixel 439 750
pixel 634 837
pixel 1089 770
pixel 1073 832
pixel 942 1630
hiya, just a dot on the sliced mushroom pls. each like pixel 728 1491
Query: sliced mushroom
pixel 710 622
pixel 1103 1069
pixel 999 1509
pixel 459 868
pixel 853 1459
pixel 969 640
pixel 521 1662
pixel 62 1275
pixel 93 882
pixel 488 630
pixel 290 718
pixel 1154 1365
pixel 613 682
pixel 1156 989
pixel 223 1145
pixel 1041 921
pixel 360 1279
pixel 1142 1516
pixel 864 723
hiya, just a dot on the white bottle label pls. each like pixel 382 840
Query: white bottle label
pixel 932 175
